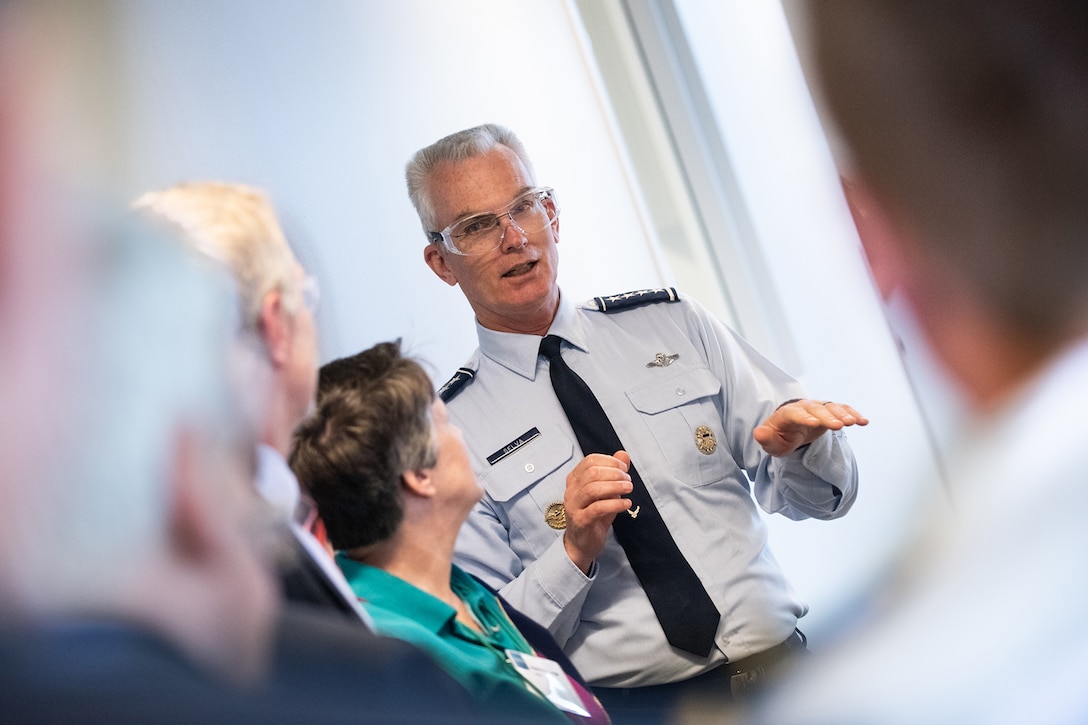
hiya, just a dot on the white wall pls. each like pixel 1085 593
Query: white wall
pixel 323 103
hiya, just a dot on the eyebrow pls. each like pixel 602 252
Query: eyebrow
pixel 470 214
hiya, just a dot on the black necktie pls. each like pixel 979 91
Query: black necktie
pixel 684 609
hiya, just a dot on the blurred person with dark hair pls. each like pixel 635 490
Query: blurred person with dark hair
pixel 393 484
pixel 964 135
pixel 237 226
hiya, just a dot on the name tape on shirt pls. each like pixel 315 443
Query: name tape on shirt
pixel 513 445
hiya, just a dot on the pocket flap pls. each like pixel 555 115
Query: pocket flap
pixel 679 388
pixel 530 463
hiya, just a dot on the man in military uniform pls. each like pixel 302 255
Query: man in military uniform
pixel 696 410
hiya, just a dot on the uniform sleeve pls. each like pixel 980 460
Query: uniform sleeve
pixel 820 481
pixel 816 481
pixel 551 590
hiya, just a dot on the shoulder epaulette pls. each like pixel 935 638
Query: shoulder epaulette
pixel 456 384
pixel 627 300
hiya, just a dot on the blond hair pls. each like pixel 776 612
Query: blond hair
pixel 236 225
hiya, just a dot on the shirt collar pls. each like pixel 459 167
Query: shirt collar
pixel 275 482
pixel 391 593
pixel 519 353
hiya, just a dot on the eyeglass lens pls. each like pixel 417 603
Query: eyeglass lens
pixel 529 213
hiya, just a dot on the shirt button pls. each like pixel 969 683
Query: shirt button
pixel 680 391
pixel 529 468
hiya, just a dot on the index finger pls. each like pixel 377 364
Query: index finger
pixel 620 460
pixel 845 413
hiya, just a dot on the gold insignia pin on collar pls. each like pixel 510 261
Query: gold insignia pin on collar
pixel 661 360
pixel 556 515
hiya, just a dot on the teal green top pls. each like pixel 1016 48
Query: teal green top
pixel 476 660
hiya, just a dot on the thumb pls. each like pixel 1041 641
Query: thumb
pixel 623 458
pixel 763 434
pixel 770 440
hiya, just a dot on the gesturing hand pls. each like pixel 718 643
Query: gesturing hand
pixel 803 421
pixel 592 499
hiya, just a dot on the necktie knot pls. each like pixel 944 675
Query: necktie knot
pixel 549 346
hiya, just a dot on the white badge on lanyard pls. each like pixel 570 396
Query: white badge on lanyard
pixel 548 677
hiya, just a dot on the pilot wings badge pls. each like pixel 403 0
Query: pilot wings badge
pixel 661 360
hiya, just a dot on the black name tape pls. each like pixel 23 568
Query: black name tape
pixel 513 445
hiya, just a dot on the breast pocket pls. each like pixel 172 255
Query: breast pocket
pixel 683 413
pixel 525 483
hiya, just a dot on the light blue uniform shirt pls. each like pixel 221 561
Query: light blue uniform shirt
pixel 604 622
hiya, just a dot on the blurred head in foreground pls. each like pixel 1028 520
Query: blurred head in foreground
pixel 964 128
pixel 963 125
pixel 125 491
pixel 144 510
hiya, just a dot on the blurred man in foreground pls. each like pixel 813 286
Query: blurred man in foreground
pixel 136 558
pixel 965 128
pixel 133 580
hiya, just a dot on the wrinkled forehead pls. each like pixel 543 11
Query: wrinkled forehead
pixel 476 185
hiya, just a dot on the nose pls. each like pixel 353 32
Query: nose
pixel 512 236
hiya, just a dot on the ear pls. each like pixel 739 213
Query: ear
pixel 434 258
pixel 419 482
pixel 275 328
pixel 882 240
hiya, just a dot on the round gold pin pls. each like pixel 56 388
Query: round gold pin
pixel 556 515
pixel 705 440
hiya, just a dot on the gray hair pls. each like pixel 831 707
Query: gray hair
pixel 459 146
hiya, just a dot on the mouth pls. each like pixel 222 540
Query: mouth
pixel 519 270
